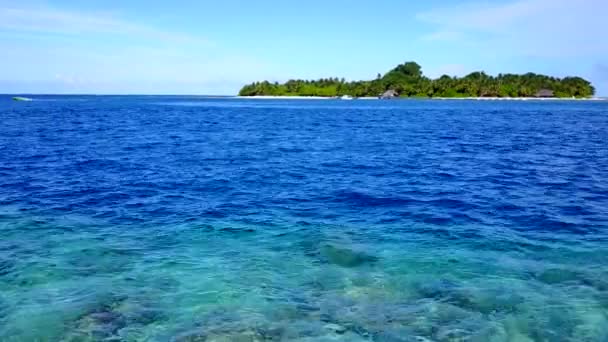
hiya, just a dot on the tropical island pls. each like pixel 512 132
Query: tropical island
pixel 407 80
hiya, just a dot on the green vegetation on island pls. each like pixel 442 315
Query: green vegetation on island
pixel 407 80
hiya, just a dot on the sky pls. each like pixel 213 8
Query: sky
pixel 214 47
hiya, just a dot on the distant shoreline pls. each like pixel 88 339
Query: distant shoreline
pixel 270 97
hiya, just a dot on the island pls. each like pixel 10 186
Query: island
pixel 407 80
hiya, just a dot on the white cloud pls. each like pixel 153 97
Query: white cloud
pixel 136 69
pixel 444 36
pixel 540 28
pixel 72 51
pixel 47 20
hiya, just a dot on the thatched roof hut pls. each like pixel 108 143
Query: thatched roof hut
pixel 545 93
pixel 389 94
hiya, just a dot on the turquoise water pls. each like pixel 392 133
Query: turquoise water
pixel 193 219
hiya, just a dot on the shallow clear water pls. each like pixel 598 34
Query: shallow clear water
pixel 197 219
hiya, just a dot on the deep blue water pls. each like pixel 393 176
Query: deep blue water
pixel 200 219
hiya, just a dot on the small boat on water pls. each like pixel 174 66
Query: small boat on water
pixel 19 98
pixel 346 97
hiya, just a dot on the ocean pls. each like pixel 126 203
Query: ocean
pixel 176 218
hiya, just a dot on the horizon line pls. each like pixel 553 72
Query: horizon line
pixel 115 94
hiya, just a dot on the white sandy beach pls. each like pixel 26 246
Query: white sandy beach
pixel 429 98
pixel 269 97
pixel 518 98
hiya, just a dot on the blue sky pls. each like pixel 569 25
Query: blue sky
pixel 213 47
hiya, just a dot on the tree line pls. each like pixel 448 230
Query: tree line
pixel 408 81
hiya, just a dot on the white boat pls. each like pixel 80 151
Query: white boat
pixel 346 97
pixel 19 98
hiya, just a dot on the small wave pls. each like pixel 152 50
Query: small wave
pixel 365 200
pixel 544 223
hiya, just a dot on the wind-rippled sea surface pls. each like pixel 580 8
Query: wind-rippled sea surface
pixel 199 219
